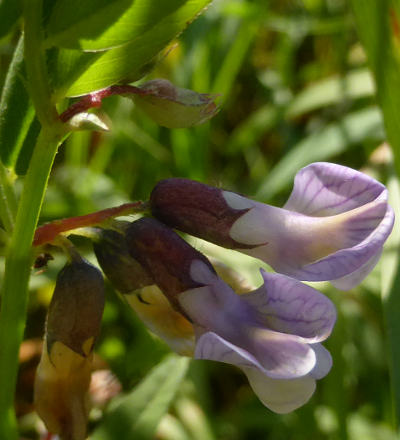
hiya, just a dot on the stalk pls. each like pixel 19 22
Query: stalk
pixel 19 255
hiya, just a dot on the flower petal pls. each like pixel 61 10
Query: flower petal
pixel 353 279
pixel 324 362
pixel 214 348
pixel 349 260
pixel 289 306
pixel 278 355
pixel 280 395
pixel 283 356
pixel 323 189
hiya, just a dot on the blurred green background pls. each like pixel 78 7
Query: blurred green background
pixel 295 89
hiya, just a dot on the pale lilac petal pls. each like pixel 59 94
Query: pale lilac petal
pixel 283 356
pixel 278 355
pixel 353 279
pixel 280 395
pixel 289 306
pixel 214 348
pixel 324 362
pixel 314 248
pixel 346 261
pixel 323 189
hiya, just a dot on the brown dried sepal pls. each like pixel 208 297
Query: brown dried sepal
pixel 61 390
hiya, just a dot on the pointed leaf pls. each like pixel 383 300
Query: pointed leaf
pixel 125 63
pixel 73 20
pixel 137 415
pixel 16 110
pixel 100 25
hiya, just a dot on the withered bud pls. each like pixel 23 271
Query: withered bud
pixel 174 107
pixel 61 391
pixel 198 209
pixel 76 307
pixel 123 271
pixel 63 375
pixel 165 256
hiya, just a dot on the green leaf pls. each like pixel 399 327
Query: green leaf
pixel 390 292
pixel 381 42
pixel 93 71
pixel 356 84
pixel 100 25
pixel 16 110
pixel 10 11
pixel 65 66
pixel 137 415
pixel 322 145
pixel 73 20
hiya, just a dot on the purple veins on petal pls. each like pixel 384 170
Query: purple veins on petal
pixel 334 224
pixel 288 306
pixel 323 189
pixel 276 335
pixel 281 355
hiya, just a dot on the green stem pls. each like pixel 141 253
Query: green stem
pixel 16 276
pixel 19 255
pixel 38 84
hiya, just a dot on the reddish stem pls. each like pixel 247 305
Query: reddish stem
pixel 94 99
pixel 48 232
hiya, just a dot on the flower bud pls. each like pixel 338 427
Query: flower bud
pixel 332 228
pixel 124 272
pixel 63 375
pixel 166 256
pixel 197 209
pixel 174 107
pixel 76 307
pixel 141 293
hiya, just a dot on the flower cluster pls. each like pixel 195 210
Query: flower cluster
pixel 332 227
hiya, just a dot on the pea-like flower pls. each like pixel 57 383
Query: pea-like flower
pixel 332 227
pixel 273 333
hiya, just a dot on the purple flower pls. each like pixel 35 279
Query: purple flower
pixel 332 227
pixel 273 333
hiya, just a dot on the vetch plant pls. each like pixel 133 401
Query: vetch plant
pixel 332 227
pixel 272 334
pixel 66 50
